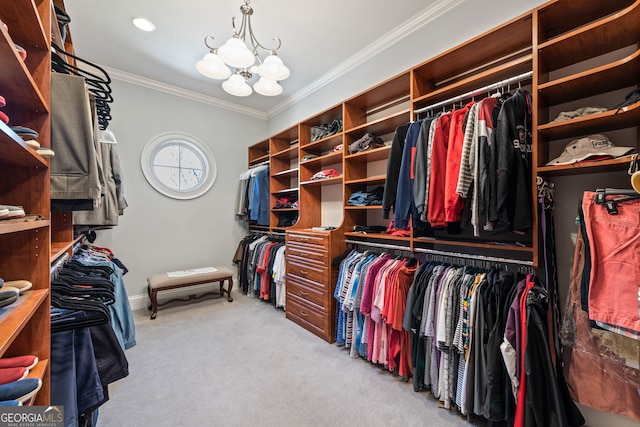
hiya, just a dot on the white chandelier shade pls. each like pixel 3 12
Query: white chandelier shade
pixel 242 53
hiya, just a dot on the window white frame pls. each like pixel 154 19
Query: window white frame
pixel 191 171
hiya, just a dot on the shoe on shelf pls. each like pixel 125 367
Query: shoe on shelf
pixel 7 298
pixel 45 152
pixel 10 403
pixel 20 390
pixel 4 213
pixel 32 143
pixel 14 211
pixel 6 288
pixel 9 375
pixel 28 361
pixel 21 285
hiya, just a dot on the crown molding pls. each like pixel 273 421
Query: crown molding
pixel 426 16
pixel 183 93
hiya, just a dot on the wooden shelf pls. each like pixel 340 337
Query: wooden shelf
pixel 380 236
pixel 380 179
pixel 381 126
pixel 364 208
pixel 14 150
pixel 39 371
pixel 286 173
pixel 493 75
pixel 17 317
pixel 285 210
pixel 289 153
pixel 259 160
pixel 594 123
pixel 605 35
pixel 381 153
pixel 321 182
pixel 615 75
pixel 332 158
pixel 59 248
pixel 323 145
pixel 8 226
pixel 485 245
pixel 285 191
pixel 586 167
pixel 558 17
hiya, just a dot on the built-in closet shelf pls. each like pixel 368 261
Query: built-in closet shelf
pixel 16 318
pixel 40 370
pixel 285 210
pixel 323 145
pixel 258 227
pixel 365 208
pixel 370 180
pixel 14 150
pixel 615 75
pixel 381 236
pixel 381 126
pixel 328 159
pixel 594 123
pixel 9 226
pixel 604 35
pixel 484 245
pixel 503 44
pixel 493 75
pixel 285 191
pixel 386 94
pixel 257 161
pixel 29 20
pixel 372 155
pixel 289 172
pixel 18 86
pixel 289 153
pixel 619 164
pixel 59 248
pixel 560 16
pixel 321 182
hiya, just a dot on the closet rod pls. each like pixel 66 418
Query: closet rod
pixel 378 245
pixel 472 256
pixel 57 266
pixel 497 85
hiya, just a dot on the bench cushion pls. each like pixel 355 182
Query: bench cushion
pixel 173 278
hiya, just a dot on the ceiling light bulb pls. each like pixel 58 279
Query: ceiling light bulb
pixel 267 87
pixel 236 54
pixel 212 66
pixel 237 86
pixel 273 69
pixel 143 24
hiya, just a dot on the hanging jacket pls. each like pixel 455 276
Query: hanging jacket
pixel 393 170
pixel 512 151
pixel 404 198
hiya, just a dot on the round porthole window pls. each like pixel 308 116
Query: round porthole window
pixel 178 166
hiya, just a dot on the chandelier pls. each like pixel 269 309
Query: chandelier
pixel 237 54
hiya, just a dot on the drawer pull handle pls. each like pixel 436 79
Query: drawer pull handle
pixel 303 314
pixel 304 293
pixel 304 273
pixel 304 240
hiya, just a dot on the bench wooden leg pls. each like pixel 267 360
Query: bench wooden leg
pixel 153 297
pixel 229 297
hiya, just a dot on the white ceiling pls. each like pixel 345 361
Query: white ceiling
pixel 316 37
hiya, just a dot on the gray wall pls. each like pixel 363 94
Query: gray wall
pixel 157 233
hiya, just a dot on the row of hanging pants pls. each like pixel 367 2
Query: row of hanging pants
pixel 91 326
pixel 476 338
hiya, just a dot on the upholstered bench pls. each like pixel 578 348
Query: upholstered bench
pixel 186 278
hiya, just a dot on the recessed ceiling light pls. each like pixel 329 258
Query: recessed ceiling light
pixel 143 24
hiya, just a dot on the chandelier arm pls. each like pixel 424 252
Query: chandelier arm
pixel 257 44
pixel 207 44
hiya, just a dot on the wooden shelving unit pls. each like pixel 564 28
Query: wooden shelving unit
pixel 25 245
pixel 542 43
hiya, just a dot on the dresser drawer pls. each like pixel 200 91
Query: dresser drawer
pixel 308 271
pixel 310 241
pixel 319 256
pixel 303 313
pixel 308 291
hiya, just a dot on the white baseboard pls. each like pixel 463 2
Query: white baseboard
pixel 139 302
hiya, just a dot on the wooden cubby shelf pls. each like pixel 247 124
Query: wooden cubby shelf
pixel 585 167
pixel 16 318
pixel 600 122
pixel 320 182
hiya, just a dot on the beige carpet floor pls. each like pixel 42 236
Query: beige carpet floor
pixel 215 363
